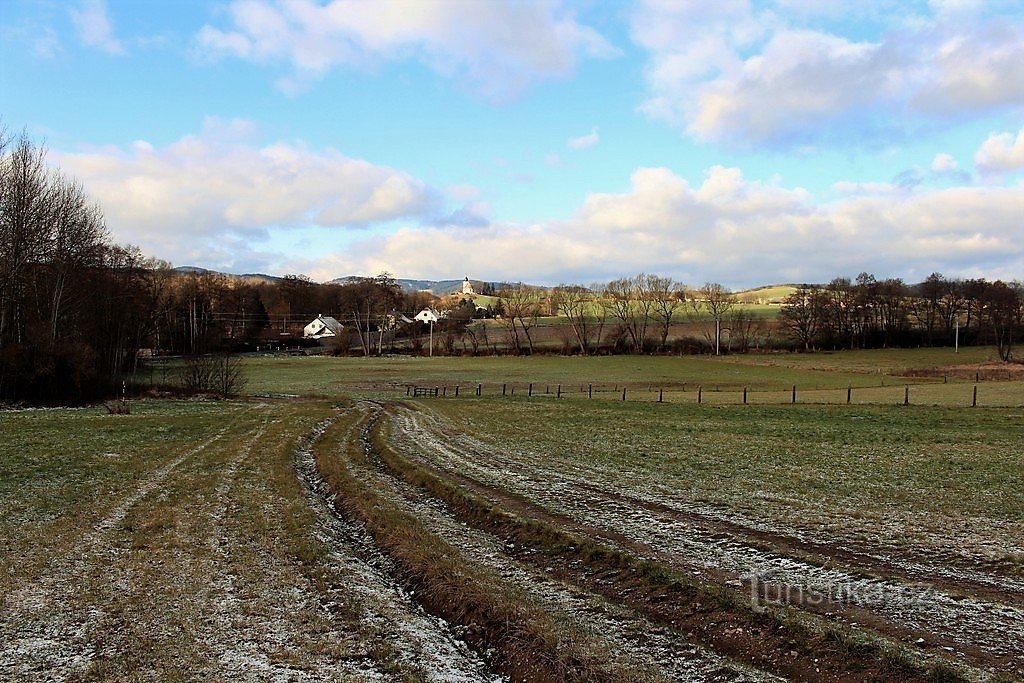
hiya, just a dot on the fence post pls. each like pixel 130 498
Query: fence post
pixel 407 389
pixel 529 392
pixel 590 391
pixel 559 394
pixel 661 394
pixel 503 389
pixel 974 401
pixel 456 391
pixel 794 393
pixel 444 391
pixel 435 392
pixel 700 394
pixel 623 393
pixel 906 395
pixel 479 389
pixel 849 394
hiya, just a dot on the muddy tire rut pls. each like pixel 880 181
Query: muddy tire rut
pixel 981 624
pixel 637 641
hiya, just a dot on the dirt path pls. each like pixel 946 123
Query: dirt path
pixel 635 641
pixel 426 645
pixel 46 632
pixel 982 628
pixel 221 564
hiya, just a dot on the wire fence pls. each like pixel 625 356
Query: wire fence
pixel 1004 394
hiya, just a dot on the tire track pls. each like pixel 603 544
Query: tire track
pixel 988 631
pixel 418 641
pixel 619 630
pixel 44 635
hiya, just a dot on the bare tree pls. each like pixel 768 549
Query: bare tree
pixel 521 305
pixel 577 306
pixel 711 303
pixel 802 313
pixel 1002 305
pixel 667 296
pixel 630 300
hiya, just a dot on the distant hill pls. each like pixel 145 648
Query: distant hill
pixel 770 294
pixel 247 277
pixel 435 287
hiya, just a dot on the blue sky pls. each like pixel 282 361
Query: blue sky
pixel 739 142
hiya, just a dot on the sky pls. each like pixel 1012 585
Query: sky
pixel 745 143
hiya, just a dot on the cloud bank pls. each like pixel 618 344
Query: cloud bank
pixel 728 229
pixel 497 49
pixel 219 183
pixel 774 74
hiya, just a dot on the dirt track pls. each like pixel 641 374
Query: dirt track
pixel 227 560
pixel 191 572
pixel 978 617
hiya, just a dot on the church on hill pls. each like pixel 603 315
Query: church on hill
pixel 467 286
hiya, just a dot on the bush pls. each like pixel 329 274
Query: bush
pixel 221 375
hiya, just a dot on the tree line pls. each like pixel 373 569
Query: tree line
pixel 78 311
pixel 871 313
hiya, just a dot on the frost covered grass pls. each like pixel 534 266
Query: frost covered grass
pixel 901 473
pixel 875 376
pixel 499 618
pixel 61 470
pixel 175 543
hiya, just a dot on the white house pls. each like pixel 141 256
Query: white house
pixel 467 286
pixel 323 326
pixel 429 315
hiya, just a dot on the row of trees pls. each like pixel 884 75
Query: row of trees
pixel 632 314
pixel 868 312
pixel 70 308
pixel 636 314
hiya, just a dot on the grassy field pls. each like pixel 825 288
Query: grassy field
pixel 201 532
pixel 877 377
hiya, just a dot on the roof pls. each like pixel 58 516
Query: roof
pixel 330 327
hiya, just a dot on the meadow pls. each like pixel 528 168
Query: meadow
pixel 301 530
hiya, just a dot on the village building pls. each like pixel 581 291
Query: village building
pixel 467 287
pixel 324 326
pixel 429 315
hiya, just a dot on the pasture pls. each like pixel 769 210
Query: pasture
pixel 329 526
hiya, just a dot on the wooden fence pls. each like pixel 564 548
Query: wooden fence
pixel 964 394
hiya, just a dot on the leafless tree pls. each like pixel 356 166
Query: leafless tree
pixel 710 304
pixel 522 308
pixel 667 296
pixel 802 313
pixel 577 305
pixel 631 301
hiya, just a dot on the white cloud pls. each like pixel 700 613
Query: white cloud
pixel 584 141
pixel 94 26
pixel 745 74
pixel 728 229
pixel 218 182
pixel 1001 153
pixel 498 49
pixel 975 69
pixel 944 163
